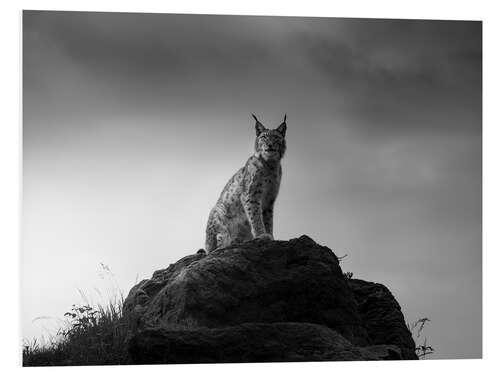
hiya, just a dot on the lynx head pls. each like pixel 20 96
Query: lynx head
pixel 270 144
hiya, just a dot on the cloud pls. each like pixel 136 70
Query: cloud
pixel 140 45
pixel 395 73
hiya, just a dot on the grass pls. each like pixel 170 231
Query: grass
pixel 92 335
pixel 95 336
pixel 423 349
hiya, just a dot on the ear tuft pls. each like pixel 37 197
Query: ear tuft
pixel 282 127
pixel 259 128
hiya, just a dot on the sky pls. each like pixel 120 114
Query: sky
pixel 133 123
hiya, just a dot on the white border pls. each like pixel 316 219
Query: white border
pixel 10 172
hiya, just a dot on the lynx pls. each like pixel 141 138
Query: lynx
pixel 245 207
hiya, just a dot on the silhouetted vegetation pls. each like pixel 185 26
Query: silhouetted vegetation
pixel 422 349
pixel 95 336
pixel 91 335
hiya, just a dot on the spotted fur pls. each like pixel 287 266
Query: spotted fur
pixel 245 207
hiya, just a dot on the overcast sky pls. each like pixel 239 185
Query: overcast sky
pixel 132 124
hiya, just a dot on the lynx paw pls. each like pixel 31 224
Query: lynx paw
pixel 265 236
pixel 201 252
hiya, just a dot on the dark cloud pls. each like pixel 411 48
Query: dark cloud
pixel 400 54
pixel 147 44
pixel 391 68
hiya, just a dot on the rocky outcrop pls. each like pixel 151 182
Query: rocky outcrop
pixel 263 301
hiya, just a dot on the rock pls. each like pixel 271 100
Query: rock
pixel 278 295
pixel 382 316
pixel 251 342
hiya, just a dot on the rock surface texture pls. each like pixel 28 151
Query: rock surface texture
pixel 263 301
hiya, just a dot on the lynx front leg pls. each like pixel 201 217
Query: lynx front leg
pixel 268 219
pixel 253 210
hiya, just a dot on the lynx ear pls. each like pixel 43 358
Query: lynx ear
pixel 259 128
pixel 282 127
